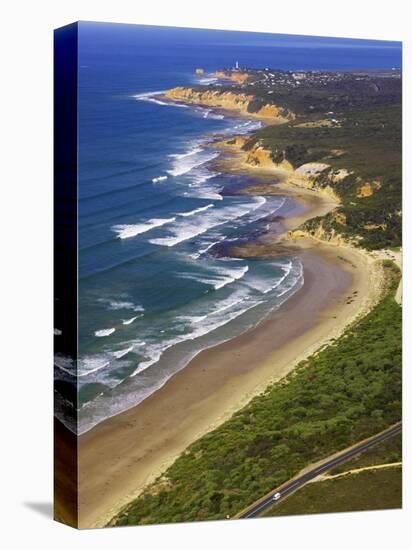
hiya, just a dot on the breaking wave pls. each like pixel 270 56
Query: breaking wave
pixel 219 279
pixel 104 332
pixel 151 97
pixel 182 231
pixel 125 231
pixel 186 162
pixel 196 210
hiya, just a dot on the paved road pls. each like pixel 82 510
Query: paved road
pixel 296 483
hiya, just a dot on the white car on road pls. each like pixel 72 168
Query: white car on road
pixel 276 496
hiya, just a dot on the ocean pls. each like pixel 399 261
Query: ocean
pixel 151 296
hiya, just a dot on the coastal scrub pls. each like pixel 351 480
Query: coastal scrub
pixel 344 393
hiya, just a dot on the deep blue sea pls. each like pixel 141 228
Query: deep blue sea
pixel 150 295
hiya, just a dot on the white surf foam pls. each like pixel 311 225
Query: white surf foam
pixel 104 332
pixel 121 304
pixel 209 113
pixel 264 285
pixel 146 364
pixel 126 231
pixel 241 295
pixel 239 301
pixel 200 176
pixel 90 364
pixel 208 80
pixel 190 160
pixel 196 210
pixel 151 97
pixel 206 194
pixel 93 363
pixel 155 352
pixel 292 275
pixel 243 127
pixel 198 186
pixel 296 279
pixel 129 321
pixel 209 246
pixel 230 276
pixel 192 318
pixel 184 230
pixel 122 352
pixel 160 178
pixel 230 304
pixel 202 251
pixel 219 278
pixel 189 153
pixel 208 319
pixel 278 283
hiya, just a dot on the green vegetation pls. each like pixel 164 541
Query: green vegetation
pixel 368 144
pixel 346 120
pixel 320 93
pixel 255 105
pixel 386 452
pixel 367 490
pixel 344 393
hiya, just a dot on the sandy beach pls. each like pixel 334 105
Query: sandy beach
pixel 120 456
pixel 228 222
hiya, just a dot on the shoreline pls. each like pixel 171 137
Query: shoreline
pixel 119 457
pixel 212 386
pixel 269 114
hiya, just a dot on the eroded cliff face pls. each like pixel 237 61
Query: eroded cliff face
pixel 273 111
pixel 326 229
pixel 319 234
pixel 237 142
pixel 210 98
pixel 258 156
pixel 235 76
pixel 305 175
pixel 232 101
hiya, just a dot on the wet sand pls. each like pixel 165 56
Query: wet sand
pixel 120 456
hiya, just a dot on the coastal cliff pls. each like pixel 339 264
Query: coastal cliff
pixel 235 142
pixel 259 156
pixel 315 176
pixel 317 229
pixel 234 76
pixel 307 155
pixel 233 101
